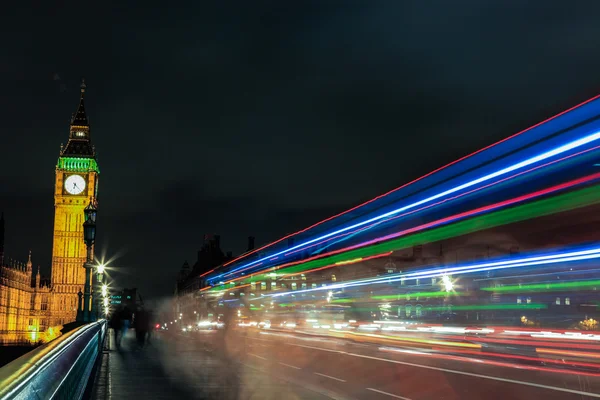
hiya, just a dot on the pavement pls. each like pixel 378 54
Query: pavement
pixel 256 364
pixel 172 367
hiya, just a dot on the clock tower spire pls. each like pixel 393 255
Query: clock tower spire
pixel 76 184
pixel 79 144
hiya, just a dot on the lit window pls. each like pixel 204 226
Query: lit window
pixel 390 271
pixel 557 301
pixel 333 278
pixel 433 280
pixel 314 285
pixel 294 286
pixel 304 286
pixel 263 286
pixel 273 285
pixel 253 285
pixel 567 301
pixel 303 277
pixel 518 300
pixel 528 300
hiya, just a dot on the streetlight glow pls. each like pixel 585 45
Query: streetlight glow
pixel 447 282
pixel 100 268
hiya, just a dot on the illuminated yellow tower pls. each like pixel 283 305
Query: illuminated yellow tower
pixel 76 184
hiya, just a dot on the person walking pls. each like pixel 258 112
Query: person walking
pixel 115 324
pixel 142 326
pixel 126 317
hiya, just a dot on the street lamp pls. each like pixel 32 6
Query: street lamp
pixel 89 237
pixel 97 287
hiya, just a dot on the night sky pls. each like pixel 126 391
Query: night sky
pixel 259 117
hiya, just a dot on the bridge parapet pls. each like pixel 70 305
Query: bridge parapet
pixel 60 369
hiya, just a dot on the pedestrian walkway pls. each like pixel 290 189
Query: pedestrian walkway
pixel 132 373
pixel 174 368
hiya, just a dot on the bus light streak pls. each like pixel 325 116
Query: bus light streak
pixel 532 160
pixel 416 180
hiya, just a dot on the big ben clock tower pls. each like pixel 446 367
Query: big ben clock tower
pixel 76 185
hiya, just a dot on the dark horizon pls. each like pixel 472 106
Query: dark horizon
pixel 258 121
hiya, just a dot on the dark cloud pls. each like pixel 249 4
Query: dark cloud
pixel 260 118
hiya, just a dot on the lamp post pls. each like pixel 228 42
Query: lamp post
pixel 89 236
pixel 98 290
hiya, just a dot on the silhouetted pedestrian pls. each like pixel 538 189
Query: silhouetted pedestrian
pixel 151 326
pixel 142 325
pixel 116 325
pixel 126 317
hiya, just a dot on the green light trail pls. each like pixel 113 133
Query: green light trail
pixel 555 204
pixel 531 306
pixel 407 296
pixel 544 287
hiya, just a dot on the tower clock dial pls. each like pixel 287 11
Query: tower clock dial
pixel 74 184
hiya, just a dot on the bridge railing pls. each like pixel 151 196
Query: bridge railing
pixel 60 369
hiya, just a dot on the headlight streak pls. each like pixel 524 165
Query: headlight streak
pixel 532 160
pixel 498 355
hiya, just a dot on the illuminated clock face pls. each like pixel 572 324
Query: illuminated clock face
pixel 74 184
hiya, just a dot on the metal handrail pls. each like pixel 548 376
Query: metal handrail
pixel 60 369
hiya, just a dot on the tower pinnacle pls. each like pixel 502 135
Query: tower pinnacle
pixel 79 144
pixel 29 264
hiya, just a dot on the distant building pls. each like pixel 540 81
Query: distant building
pixel 190 279
pixel 24 301
pixel 210 256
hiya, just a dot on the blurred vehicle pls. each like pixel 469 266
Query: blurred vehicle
pixel 264 324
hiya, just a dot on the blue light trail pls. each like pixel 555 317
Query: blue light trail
pixel 570 256
pixel 540 157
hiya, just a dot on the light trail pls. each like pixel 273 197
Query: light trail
pixel 483 224
pixel 532 160
pixel 522 262
pixel 263 277
pixel 363 229
pixel 414 181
